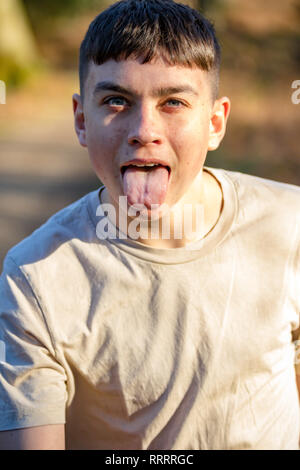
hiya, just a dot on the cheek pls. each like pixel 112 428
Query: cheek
pixel 193 129
pixel 100 143
pixel 103 148
pixel 191 141
pixel 191 149
pixel 104 137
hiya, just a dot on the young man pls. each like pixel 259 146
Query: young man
pixel 124 338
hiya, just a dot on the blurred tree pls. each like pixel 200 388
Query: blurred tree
pixel 202 5
pixel 56 8
pixel 17 44
pixel 58 26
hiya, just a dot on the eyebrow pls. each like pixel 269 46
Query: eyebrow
pixel 157 93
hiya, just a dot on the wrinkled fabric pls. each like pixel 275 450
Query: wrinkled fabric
pixel 141 348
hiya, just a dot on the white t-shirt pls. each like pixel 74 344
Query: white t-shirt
pixel 136 347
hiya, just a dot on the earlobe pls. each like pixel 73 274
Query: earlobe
pixel 79 119
pixel 217 125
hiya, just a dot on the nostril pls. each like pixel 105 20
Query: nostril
pixel 133 141
pixel 143 141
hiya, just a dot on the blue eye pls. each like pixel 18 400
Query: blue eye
pixel 115 101
pixel 174 103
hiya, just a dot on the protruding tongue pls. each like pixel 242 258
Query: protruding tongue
pixel 146 185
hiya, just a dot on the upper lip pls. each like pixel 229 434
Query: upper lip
pixel 144 161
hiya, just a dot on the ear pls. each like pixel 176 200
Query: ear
pixel 218 120
pixel 79 120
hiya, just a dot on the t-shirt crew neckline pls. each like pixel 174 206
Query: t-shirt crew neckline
pixel 189 252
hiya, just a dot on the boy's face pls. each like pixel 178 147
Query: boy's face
pixel 149 113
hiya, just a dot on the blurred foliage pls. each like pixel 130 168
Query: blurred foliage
pixel 46 16
pixel 59 27
pixel 13 73
pixel 56 8
pixel 18 52
pixel 207 6
pixel 242 46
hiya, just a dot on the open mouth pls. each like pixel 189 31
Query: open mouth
pixel 146 167
pixel 145 182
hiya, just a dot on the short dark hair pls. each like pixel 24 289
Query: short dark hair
pixel 142 29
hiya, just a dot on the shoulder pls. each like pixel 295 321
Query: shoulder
pixel 71 223
pixel 50 271
pixel 264 191
pixel 259 197
pixel 266 208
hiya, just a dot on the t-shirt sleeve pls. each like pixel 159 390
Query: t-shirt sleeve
pixel 32 381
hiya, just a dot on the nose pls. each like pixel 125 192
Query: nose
pixel 144 128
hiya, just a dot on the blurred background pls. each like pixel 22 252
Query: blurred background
pixel 43 168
